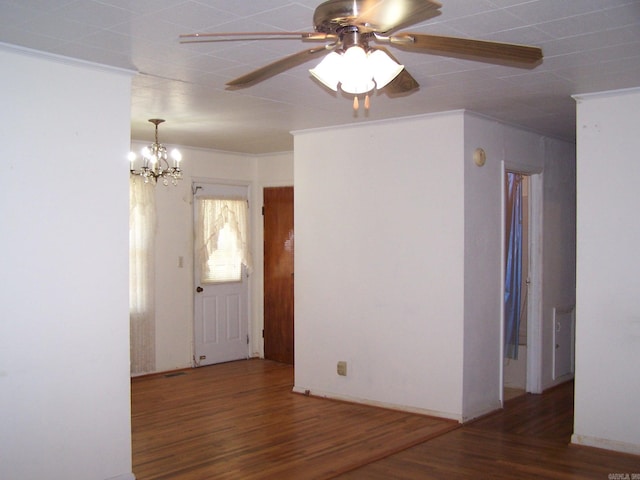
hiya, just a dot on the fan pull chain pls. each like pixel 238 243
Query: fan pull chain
pixel 356 102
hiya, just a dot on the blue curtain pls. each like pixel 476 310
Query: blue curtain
pixel 513 273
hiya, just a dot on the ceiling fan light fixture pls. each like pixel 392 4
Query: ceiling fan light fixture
pixel 356 71
pixel 349 25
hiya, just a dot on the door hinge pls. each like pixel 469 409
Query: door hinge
pixel 247 339
pixel 263 210
pixel 263 333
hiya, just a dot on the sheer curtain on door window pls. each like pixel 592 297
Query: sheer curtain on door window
pixel 222 238
pixel 142 229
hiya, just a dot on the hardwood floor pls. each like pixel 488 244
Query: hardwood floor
pixel 241 421
pixel 528 439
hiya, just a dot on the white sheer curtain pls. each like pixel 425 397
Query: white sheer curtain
pixel 222 234
pixel 142 229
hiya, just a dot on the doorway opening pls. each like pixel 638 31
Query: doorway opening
pixel 517 280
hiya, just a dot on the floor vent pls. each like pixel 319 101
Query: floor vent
pixel 175 374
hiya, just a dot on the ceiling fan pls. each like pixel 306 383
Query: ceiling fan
pixel 348 26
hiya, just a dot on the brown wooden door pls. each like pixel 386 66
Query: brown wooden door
pixel 278 274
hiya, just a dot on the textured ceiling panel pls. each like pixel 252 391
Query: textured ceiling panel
pixel 589 46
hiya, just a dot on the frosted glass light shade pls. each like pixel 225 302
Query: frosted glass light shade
pixel 357 87
pixel 383 67
pixel 356 74
pixel 328 71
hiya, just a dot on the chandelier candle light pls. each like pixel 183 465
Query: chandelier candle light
pixel 155 162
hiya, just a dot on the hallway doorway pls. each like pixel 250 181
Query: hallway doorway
pixel 516 284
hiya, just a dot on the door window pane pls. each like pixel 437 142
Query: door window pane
pixel 224 264
pixel 222 239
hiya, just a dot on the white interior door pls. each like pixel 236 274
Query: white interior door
pixel 221 310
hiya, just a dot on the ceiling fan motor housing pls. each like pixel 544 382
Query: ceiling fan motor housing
pixel 333 15
pixel 370 16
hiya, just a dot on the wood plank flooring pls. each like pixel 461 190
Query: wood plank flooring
pixel 240 421
pixel 529 439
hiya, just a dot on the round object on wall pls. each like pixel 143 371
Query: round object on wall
pixel 479 157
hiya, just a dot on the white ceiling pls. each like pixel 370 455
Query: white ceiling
pixel 588 45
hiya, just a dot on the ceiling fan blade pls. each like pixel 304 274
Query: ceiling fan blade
pixel 240 36
pixel 388 15
pixel 278 66
pixel 403 83
pixel 378 16
pixel 469 48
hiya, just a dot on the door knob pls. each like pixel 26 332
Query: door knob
pixel 199 289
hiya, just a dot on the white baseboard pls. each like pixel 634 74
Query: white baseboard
pixel 482 412
pixel 373 403
pixel 605 444
pixel 124 476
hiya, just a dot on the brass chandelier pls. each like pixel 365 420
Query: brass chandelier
pixel 155 161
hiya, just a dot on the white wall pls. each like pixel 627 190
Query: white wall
pixel 510 148
pixel 399 258
pixel 607 390
pixel 64 333
pixel 558 247
pixel 174 239
pixel 483 265
pixel 379 262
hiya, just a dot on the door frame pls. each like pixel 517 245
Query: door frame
pixel 534 304
pixel 533 381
